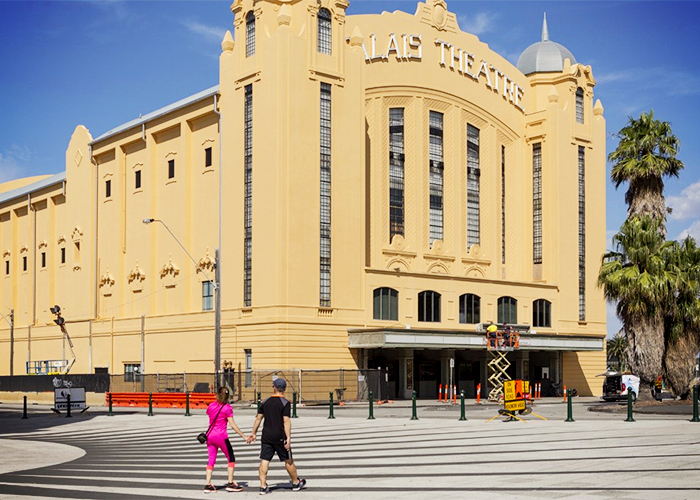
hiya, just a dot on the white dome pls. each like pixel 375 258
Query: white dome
pixel 544 56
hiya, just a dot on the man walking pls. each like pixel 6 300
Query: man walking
pixel 276 436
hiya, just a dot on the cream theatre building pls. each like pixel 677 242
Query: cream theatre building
pixel 377 188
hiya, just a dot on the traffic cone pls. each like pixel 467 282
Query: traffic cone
pixel 565 393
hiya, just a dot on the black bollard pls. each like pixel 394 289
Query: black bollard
pixel 371 406
pixel 569 408
pixel 259 401
pixel 695 404
pixel 415 412
pixel 461 402
pixel 330 408
pixel 150 404
pixel 24 415
pixel 294 404
pixel 630 418
pixel 68 415
pixel 110 413
pixel 187 404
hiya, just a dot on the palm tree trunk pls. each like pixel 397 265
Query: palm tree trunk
pixel 679 363
pixel 645 350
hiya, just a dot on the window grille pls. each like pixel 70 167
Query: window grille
pixel 324 31
pixel 473 174
pixel 537 203
pixel 507 310
pixel 429 306
pixel 248 201
pixel 579 105
pixel 436 174
pixel 250 34
pixel 581 233
pixel 396 172
pixel 386 304
pixel 542 313
pixel 469 308
pixel 325 215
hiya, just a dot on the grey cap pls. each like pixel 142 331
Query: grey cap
pixel 280 384
pixel 544 56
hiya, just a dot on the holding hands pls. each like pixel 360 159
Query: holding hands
pixel 250 439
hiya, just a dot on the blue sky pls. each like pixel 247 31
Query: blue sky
pixel 104 63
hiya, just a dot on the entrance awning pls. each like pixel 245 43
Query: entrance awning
pixel 399 338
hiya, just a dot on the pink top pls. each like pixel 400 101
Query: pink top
pixel 219 426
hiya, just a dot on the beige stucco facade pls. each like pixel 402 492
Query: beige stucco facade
pixel 131 295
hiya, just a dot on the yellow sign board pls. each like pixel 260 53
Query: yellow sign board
pixel 515 405
pixel 514 394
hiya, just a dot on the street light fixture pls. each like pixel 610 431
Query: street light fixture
pixel 217 300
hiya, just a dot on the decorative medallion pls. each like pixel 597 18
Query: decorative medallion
pixel 398 242
pixel 439 16
pixel 438 247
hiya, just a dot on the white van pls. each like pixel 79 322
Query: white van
pixel 616 386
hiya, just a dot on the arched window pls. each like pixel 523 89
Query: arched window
pixel 469 308
pixel 507 310
pixel 429 306
pixel 542 313
pixel 250 34
pixel 324 31
pixel 579 105
pixel 386 304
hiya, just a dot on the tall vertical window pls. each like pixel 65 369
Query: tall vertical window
pixel 325 140
pixel 250 34
pixel 24 263
pixel 503 204
pixel 537 203
pixel 429 306
pixel 542 313
pixel 7 268
pixel 396 178
pixel 108 189
pixel 436 173
pixel 325 43
pixel 207 296
pixel 248 196
pixel 507 310
pixel 63 255
pixel 43 259
pixel 469 308
pixel 207 157
pixel 386 304
pixel 473 174
pixel 171 169
pixel 137 179
pixel 579 105
pixel 581 233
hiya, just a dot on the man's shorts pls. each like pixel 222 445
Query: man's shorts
pixel 268 450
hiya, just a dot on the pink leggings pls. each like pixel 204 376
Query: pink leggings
pixel 216 442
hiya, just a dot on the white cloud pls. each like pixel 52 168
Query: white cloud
pixel 687 204
pixel 693 231
pixel 672 82
pixel 478 24
pixel 213 33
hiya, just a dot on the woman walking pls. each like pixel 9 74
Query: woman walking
pixel 220 415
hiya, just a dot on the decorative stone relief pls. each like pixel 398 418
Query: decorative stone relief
pixel 136 278
pixel 398 242
pixel 439 14
pixel 438 268
pixel 61 240
pixel 206 263
pixel 43 244
pixel 399 265
pixel 106 283
pixel 6 253
pixel 438 247
pixel 23 249
pixel 227 44
pixel 77 234
pixel 475 272
pixel 169 272
pixel 78 158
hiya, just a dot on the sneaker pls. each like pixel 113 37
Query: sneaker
pixel 210 488
pixel 234 487
pixel 301 484
pixel 264 490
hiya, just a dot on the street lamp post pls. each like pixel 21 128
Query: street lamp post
pixel 217 298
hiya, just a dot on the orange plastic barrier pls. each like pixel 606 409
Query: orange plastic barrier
pixel 440 393
pixel 478 394
pixel 565 393
pixel 160 399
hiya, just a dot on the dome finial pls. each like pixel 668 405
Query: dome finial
pixel 545 32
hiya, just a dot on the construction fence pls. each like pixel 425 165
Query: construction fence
pixel 311 386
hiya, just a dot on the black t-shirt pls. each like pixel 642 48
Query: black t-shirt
pixel 273 410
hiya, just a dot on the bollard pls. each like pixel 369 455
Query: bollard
pixel 68 415
pixel 454 394
pixel 371 408
pixel 150 404
pixel 294 404
pixel 695 404
pixel 187 404
pixel 415 413
pixel 569 409
pixel 24 415
pixel 478 394
pixel 565 393
pixel 440 393
pixel 259 401
pixel 461 398
pixel 630 418
pixel 110 413
pixel 330 407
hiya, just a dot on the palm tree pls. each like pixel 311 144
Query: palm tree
pixel 617 349
pixel 635 276
pixel 645 154
pixel 682 316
